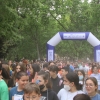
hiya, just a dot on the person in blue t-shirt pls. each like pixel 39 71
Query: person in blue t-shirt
pixel 91 85
pixel 16 93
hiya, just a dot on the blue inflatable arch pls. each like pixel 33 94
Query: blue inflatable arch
pixel 73 36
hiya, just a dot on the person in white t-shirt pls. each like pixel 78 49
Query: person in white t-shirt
pixel 71 87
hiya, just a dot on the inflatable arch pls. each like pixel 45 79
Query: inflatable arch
pixel 73 36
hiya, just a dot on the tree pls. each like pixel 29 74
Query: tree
pixel 9 26
pixel 32 24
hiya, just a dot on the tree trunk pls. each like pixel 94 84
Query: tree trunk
pixel 38 53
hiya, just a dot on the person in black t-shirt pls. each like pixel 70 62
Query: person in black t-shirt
pixel 56 81
pixel 43 80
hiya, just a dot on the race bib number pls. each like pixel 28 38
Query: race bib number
pixel 18 97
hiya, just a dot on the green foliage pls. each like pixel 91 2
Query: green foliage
pixel 27 25
pixel 9 26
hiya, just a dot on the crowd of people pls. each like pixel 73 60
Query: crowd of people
pixel 54 80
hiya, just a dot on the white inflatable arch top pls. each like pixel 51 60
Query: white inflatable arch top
pixel 73 36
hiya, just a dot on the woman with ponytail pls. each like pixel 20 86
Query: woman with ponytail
pixel 72 87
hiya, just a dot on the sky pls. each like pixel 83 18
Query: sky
pixel 88 0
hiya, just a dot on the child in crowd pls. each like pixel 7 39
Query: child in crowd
pixel 71 87
pixel 65 70
pixel 57 83
pixel 43 80
pixel 32 92
pixel 33 69
pixel 4 95
pixel 91 86
pixel 16 93
pixel 45 66
pixel 81 75
pixel 12 82
pixel 81 97
pixel 5 74
pixel 96 74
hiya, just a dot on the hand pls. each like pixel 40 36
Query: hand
pixel 35 78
